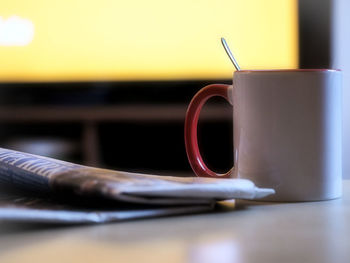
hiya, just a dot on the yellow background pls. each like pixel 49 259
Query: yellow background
pixel 153 39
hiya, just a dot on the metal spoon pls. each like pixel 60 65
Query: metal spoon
pixel 229 53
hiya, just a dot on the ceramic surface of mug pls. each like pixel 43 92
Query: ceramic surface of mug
pixel 287 131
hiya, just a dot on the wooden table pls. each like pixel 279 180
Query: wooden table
pixel 239 232
pixel 90 117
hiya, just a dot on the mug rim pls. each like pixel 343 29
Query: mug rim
pixel 287 70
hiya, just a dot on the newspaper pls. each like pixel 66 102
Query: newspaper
pixel 50 190
pixel 16 206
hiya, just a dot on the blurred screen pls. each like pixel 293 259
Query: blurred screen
pixel 79 40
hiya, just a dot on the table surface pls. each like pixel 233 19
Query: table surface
pixel 240 231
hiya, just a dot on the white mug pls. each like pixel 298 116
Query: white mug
pixel 287 131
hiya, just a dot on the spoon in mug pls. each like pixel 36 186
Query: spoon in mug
pixel 229 53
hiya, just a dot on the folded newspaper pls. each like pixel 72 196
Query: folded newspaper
pixel 42 189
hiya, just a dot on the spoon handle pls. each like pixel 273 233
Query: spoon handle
pixel 229 53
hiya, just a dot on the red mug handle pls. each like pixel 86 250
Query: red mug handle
pixel 191 122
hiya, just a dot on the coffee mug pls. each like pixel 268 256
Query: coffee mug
pixel 287 131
